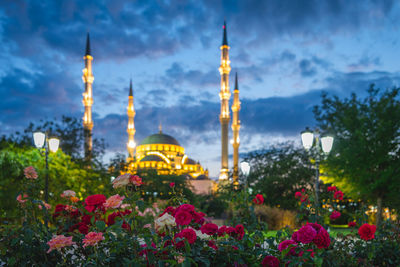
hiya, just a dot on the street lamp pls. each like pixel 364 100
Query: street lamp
pixel 319 146
pixel 52 144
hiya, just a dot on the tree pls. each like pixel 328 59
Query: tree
pixel 365 159
pixel 64 174
pixel 70 132
pixel 278 172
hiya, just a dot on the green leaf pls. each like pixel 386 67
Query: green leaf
pixel 101 226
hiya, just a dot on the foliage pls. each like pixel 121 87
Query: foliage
pixel 278 172
pixel 70 132
pixel 125 230
pixel 64 173
pixel 366 153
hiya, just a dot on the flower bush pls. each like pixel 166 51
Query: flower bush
pixel 124 230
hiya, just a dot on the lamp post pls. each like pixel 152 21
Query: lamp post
pixel 43 141
pixel 319 146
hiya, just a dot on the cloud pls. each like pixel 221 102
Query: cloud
pixel 306 68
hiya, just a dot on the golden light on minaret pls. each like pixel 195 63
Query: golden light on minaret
pixel 88 79
pixel 131 126
pixel 235 129
pixel 224 95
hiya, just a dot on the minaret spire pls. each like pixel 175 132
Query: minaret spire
pixel 224 95
pixel 88 79
pixel 131 125
pixel 235 129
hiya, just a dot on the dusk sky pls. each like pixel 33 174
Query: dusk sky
pixel 286 54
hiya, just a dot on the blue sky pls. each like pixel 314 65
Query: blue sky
pixel 286 54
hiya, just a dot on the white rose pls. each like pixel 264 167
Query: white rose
pixel 121 180
pixel 165 221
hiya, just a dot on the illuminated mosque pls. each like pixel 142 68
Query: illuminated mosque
pixel 161 151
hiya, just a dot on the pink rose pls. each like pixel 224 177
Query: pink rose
pixel 92 238
pixel 60 241
pixel 338 195
pixel 22 200
pixel 322 240
pixel 136 180
pixel 30 173
pixel 47 206
pixel 114 202
pixel 285 244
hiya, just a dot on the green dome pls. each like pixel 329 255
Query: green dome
pixel 159 138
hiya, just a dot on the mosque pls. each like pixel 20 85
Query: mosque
pixel 161 151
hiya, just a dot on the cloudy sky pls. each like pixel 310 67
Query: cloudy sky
pixel 285 52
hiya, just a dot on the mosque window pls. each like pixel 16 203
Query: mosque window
pixel 153 147
pixel 160 147
pixel 147 164
pixel 153 164
pixel 166 148
pixel 172 148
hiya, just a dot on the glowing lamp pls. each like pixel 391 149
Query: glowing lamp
pixel 39 138
pixel 245 167
pixel 307 138
pixel 53 144
pixel 326 143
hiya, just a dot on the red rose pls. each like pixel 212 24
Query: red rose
pixel 83 228
pixel 58 210
pixel 322 240
pixel 351 224
pixel 222 230
pixel 297 194
pixel 332 188
pixel 239 229
pixel 367 231
pixel 259 199
pixel 94 201
pixel 209 228
pixel 212 244
pixel 186 207
pixel 169 210
pixel 306 234
pixel 188 234
pixel 230 231
pixel 304 198
pixel 335 215
pixel 285 244
pixel 86 219
pixel 172 184
pixel 198 217
pixel 270 261
pixel 183 217
pixel 338 195
pixel 235 247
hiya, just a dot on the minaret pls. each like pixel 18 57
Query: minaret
pixel 131 125
pixel 235 129
pixel 224 95
pixel 88 78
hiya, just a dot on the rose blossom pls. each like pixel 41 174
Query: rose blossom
pixel 22 200
pixel 74 199
pixel 183 217
pixel 209 228
pixel 94 201
pixel 285 244
pixel 30 173
pixel 351 224
pixel 46 205
pixel 338 195
pixel 297 194
pixel 172 184
pixel 124 206
pixel 259 199
pixel 367 231
pixel 92 238
pixel 332 189
pixel 188 234
pixel 322 240
pixel 68 194
pixel 239 229
pixel 306 234
pixel 164 222
pixel 114 202
pixel 121 180
pixel 270 261
pixel 136 180
pixel 335 215
pixel 222 230
pixel 60 241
